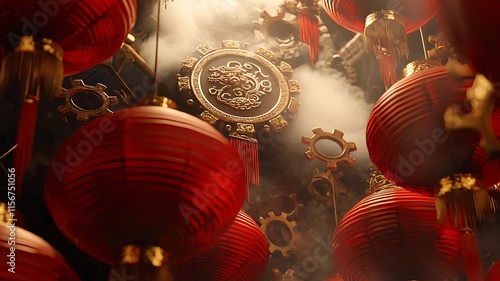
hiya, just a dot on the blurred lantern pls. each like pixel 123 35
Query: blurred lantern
pixel 87 31
pixel 406 136
pixel 385 25
pixel 241 254
pixel 473 27
pixel 494 272
pixel 308 12
pixel 32 258
pixel 336 278
pixel 393 234
pixel 145 182
pixel 407 140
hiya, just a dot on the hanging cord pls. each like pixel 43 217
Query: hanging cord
pixel 423 43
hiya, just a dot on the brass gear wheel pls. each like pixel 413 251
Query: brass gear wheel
pixel 82 114
pixel 290 225
pixel 336 136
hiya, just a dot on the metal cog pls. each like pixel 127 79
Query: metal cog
pixel 292 198
pixel 291 225
pixel 335 136
pixel 82 114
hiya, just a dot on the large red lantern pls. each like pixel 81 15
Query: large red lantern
pixel 393 234
pixel 42 37
pixel 406 135
pixel 493 273
pixel 241 254
pixel 145 181
pixel 26 257
pixel 385 25
pixel 473 26
pixel 88 31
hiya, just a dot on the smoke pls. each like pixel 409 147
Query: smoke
pixel 185 24
pixel 329 102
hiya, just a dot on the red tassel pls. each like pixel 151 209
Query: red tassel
pixel 309 32
pixel 248 149
pixel 471 256
pixel 388 70
pixel 25 138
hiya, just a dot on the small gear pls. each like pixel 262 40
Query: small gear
pixel 287 276
pixel 291 200
pixel 322 185
pixel 290 226
pixel 335 136
pixel 83 114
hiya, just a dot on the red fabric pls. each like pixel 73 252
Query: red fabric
pixel 493 273
pixel 489 169
pixel 35 259
pixel 406 137
pixel 241 254
pixel 351 14
pixel 24 140
pixel 393 235
pixel 88 31
pixel 388 70
pixel 336 278
pixel 309 33
pixel 473 28
pixel 145 175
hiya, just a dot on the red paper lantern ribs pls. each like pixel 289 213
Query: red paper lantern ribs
pixel 145 176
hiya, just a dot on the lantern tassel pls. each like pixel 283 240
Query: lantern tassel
pixel 25 138
pixel 142 263
pixel 388 70
pixel 309 31
pixel 471 256
pixel 385 36
pixel 248 149
pixel 34 71
pixel 461 202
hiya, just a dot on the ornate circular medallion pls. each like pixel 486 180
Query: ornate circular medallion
pixel 236 87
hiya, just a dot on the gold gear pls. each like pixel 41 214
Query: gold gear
pixel 291 225
pixel 293 198
pixel 335 136
pixel 82 114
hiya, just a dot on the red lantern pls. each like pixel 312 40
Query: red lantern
pixel 385 25
pixel 473 27
pixel 145 176
pixel 241 254
pixel 494 272
pixel 32 259
pixel 88 32
pixel 393 234
pixel 406 136
pixel 336 278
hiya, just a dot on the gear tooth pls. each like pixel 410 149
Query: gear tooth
pixel 100 86
pixel 64 108
pixel 310 155
pixel 272 248
pixel 350 160
pixel 78 82
pixel 271 214
pixel 293 224
pixel 317 130
pixel 82 117
pixel 283 215
pixel 338 133
pixel 351 146
pixel 331 165
pixel 306 140
pixel 262 220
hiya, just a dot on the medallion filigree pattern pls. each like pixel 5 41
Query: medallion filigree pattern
pixel 240 86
